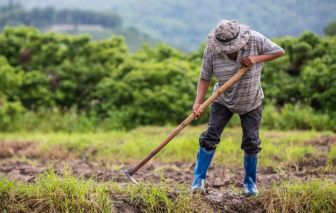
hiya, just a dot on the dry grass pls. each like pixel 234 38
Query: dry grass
pixel 19 148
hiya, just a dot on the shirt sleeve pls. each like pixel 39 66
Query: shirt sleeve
pixel 269 47
pixel 207 64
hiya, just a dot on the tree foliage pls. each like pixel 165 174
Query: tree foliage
pixel 330 29
pixel 153 86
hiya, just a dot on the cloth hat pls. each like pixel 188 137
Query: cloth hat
pixel 228 36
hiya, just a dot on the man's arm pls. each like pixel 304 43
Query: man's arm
pixel 252 59
pixel 202 88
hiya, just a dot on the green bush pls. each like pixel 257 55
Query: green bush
pixel 9 80
pixel 56 120
pixel 296 117
pixel 108 87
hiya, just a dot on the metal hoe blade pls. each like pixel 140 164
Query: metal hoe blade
pixel 129 175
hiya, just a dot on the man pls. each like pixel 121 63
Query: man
pixel 229 47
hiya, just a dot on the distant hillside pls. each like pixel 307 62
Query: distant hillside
pixel 186 23
pixel 100 25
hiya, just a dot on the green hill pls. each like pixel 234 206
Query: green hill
pixel 100 25
pixel 186 23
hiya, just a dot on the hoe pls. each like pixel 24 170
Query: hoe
pixel 131 172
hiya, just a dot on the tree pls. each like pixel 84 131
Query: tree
pixel 330 29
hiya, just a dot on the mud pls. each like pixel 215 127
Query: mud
pixel 323 144
pixel 222 186
pixel 121 204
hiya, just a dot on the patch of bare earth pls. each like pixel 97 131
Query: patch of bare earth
pixel 323 144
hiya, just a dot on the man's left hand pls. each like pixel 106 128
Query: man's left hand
pixel 249 60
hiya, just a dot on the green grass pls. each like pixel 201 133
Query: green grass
pixel 66 193
pixel 312 195
pixel 73 120
pixel 332 156
pixel 279 147
pixel 51 193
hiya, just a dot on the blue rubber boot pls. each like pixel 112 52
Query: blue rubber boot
pixel 250 166
pixel 202 164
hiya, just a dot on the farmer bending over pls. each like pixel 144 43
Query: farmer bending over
pixel 229 47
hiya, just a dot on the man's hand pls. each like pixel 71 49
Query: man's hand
pixel 249 60
pixel 252 59
pixel 194 110
pixel 202 87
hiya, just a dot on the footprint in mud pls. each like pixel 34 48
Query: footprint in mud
pixel 229 201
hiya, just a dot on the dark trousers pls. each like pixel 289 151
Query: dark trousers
pixel 220 116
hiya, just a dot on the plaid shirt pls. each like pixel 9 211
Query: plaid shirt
pixel 246 93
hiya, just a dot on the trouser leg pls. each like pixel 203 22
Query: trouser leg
pixel 250 124
pixel 219 117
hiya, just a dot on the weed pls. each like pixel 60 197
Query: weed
pixel 332 156
pixel 51 193
pixel 234 189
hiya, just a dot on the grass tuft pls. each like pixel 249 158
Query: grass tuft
pixel 312 195
pixel 162 197
pixel 332 156
pixel 51 193
pixel 65 193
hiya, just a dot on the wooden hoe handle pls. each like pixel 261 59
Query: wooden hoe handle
pixel 186 122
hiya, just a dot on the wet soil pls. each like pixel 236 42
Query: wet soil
pixel 222 187
pixel 323 144
pixel 218 177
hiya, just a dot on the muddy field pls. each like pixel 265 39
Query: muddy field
pixel 222 186
pixel 219 194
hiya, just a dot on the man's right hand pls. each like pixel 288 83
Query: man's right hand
pixel 194 110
